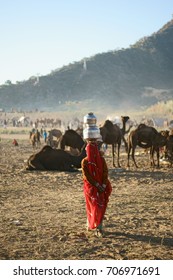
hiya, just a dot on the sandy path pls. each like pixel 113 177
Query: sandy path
pixel 43 213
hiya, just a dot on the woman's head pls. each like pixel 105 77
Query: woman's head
pixel 94 158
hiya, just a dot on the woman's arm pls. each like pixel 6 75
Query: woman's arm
pixel 85 173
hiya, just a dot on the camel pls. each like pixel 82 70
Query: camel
pixel 79 130
pixel 146 137
pixel 55 159
pixel 111 134
pixel 124 131
pixel 72 139
pixel 169 149
pixel 54 133
pixel 124 121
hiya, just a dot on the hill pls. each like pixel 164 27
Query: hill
pixel 135 77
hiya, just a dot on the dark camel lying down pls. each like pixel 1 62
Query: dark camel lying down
pixel 51 159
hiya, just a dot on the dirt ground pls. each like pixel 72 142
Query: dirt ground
pixel 42 214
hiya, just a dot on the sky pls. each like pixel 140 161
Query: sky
pixel 40 36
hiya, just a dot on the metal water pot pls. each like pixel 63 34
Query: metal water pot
pixel 90 119
pixel 91 130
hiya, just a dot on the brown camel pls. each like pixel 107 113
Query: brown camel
pixel 169 149
pixel 124 131
pixel 124 121
pixel 71 139
pixel 111 135
pixel 146 137
pixel 54 134
pixel 55 159
pixel 79 130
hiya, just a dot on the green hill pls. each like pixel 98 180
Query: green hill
pixel 135 77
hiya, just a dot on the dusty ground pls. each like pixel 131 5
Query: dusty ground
pixel 42 214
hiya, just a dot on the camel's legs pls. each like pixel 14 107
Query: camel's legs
pixel 128 154
pixel 158 157
pixel 118 155
pixel 133 156
pixel 132 147
pixel 113 156
pixel 125 144
pixel 152 162
pixel 36 165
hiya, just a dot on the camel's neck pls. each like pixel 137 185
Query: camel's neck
pixel 124 127
pixel 127 131
pixel 77 159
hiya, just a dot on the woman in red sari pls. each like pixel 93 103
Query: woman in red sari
pixel 97 187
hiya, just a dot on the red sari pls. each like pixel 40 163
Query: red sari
pixel 96 201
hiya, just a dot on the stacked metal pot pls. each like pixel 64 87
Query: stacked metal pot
pixel 91 130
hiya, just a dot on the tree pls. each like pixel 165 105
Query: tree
pixel 8 82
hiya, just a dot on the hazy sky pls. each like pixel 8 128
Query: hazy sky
pixel 38 36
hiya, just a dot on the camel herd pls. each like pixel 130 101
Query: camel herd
pixel 144 136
